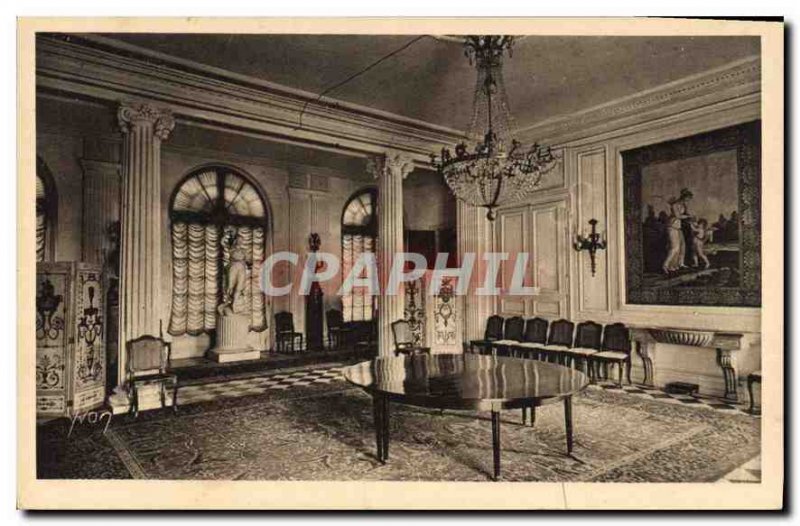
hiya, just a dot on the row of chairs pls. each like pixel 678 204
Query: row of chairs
pixel 341 334
pixel 588 345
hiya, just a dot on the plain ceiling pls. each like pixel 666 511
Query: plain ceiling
pixel 431 79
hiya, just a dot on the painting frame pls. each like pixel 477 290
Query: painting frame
pixel 745 140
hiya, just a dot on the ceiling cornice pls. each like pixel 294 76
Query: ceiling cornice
pixel 739 80
pixel 107 70
pixel 103 69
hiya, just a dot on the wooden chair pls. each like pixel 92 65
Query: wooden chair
pixel 404 339
pixel 365 336
pixel 284 332
pixel 588 342
pixel 533 339
pixel 148 364
pixel 616 350
pixel 338 333
pixel 512 335
pixel 559 340
pixel 493 332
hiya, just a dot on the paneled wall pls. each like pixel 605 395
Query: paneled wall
pixel 595 169
pixel 589 186
pixel 537 227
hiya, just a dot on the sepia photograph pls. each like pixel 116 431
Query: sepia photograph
pixel 305 264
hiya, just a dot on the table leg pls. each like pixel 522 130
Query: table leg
pixel 385 413
pixel 568 422
pixel 377 417
pixel 528 415
pixel 496 442
pixel 726 359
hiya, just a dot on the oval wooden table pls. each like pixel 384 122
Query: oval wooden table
pixel 465 382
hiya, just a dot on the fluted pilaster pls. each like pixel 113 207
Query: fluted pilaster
pixel 101 202
pixel 144 126
pixel 474 233
pixel 390 170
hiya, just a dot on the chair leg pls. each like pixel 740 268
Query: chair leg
pixel 135 398
pixel 619 368
pixel 175 396
pixel 750 392
pixel 628 371
pixel 162 393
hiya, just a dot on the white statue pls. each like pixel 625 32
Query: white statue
pixel 234 298
pixel 233 314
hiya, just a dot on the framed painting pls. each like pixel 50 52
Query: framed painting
pixel 692 213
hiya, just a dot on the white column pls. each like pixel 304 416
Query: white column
pixel 101 200
pixel 144 126
pixel 474 233
pixel 390 170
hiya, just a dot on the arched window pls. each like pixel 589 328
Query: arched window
pixel 45 212
pixel 214 211
pixel 359 231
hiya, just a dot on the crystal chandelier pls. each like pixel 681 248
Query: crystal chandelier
pixel 492 168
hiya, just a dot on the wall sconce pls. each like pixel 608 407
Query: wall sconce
pixel 592 243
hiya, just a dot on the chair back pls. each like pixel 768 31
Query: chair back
pixel 514 328
pixel 147 353
pixel 494 328
pixel 335 318
pixel 588 335
pixel 403 337
pixel 284 322
pixel 535 331
pixel 561 333
pixel 617 338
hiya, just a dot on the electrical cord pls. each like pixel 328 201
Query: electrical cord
pixel 353 76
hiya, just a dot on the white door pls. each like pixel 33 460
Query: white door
pixel 540 230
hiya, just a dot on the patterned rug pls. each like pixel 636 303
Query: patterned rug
pixel 324 431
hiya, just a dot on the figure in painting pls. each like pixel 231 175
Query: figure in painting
pixel 679 212
pixel 701 234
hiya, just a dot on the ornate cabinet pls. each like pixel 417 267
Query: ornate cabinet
pixel 70 338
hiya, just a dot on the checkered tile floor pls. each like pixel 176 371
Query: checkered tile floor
pixel 287 379
pixel 717 404
pixel 256 385
pixel 748 472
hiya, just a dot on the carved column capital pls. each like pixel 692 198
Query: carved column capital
pixel 392 162
pixel 132 114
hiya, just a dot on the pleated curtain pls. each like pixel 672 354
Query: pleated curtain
pixel 357 305
pixel 197 260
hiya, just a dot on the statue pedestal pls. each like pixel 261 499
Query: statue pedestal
pixel 232 331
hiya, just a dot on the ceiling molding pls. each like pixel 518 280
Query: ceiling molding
pixel 102 69
pixel 106 70
pixel 738 80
